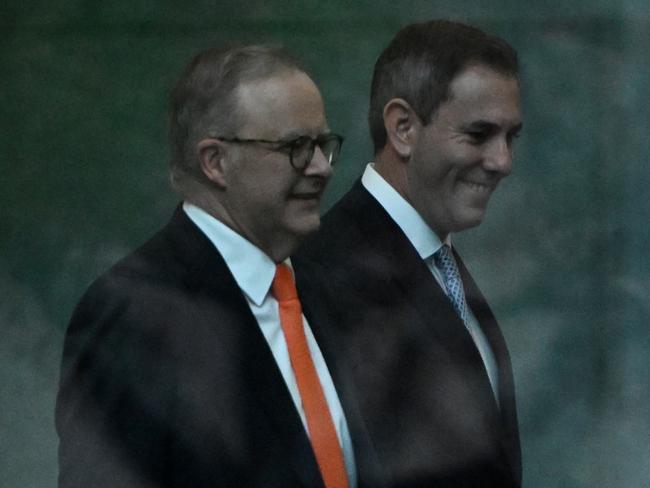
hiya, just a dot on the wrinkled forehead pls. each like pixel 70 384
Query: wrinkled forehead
pixel 279 106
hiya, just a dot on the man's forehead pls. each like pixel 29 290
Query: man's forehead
pixel 480 93
pixel 287 104
pixel 481 81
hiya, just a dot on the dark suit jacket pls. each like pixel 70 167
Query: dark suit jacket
pixel 425 396
pixel 167 380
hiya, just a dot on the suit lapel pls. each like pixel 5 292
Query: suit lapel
pixel 239 337
pixel 412 280
pixel 485 317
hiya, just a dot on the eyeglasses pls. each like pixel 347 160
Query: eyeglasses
pixel 301 149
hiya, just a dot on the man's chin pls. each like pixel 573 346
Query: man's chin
pixel 304 224
pixel 308 228
pixel 469 219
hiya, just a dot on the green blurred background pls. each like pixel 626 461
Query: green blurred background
pixel 561 256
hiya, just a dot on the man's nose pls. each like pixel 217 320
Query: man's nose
pixel 319 165
pixel 498 157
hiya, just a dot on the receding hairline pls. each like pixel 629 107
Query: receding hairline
pixel 281 72
pixel 471 64
pixel 295 84
pixel 280 75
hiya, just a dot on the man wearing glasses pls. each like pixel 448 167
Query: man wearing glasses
pixel 191 363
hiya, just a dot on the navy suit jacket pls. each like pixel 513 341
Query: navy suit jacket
pixel 167 380
pixel 424 393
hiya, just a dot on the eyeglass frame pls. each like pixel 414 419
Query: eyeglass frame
pixel 293 144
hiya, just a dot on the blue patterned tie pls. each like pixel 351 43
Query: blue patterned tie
pixel 445 262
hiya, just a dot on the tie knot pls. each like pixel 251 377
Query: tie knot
pixel 284 287
pixel 445 262
pixel 442 255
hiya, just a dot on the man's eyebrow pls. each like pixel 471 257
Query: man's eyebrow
pixel 488 125
pixel 479 125
pixel 295 134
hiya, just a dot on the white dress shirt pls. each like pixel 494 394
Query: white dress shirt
pixel 426 242
pixel 253 271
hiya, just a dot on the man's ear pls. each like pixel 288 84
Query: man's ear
pixel 211 157
pixel 402 125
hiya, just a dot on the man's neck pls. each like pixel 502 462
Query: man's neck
pixel 278 249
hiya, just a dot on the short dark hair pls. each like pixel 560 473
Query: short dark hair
pixel 421 62
pixel 203 102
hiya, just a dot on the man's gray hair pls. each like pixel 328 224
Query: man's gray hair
pixel 203 102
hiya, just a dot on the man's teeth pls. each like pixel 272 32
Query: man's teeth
pixel 477 186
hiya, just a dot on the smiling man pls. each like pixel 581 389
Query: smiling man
pixel 191 363
pixel 428 359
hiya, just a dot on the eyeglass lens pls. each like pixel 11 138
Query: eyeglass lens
pixel 302 151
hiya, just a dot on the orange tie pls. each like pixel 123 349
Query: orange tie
pixel 319 420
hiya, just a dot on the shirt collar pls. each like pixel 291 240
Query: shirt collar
pixel 252 269
pixel 425 241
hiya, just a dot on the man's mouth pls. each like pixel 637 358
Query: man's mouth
pixel 479 187
pixel 307 195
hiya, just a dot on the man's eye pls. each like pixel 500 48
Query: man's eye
pixel 301 141
pixel 478 137
pixel 513 136
pixel 299 144
pixel 288 146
